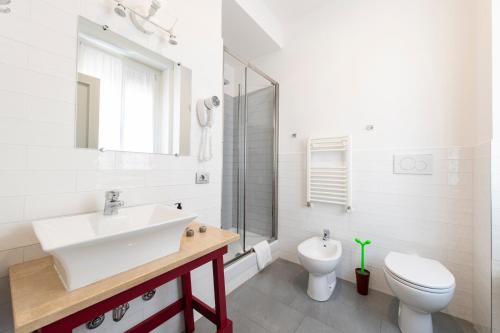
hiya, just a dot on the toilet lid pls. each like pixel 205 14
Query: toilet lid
pixel 420 271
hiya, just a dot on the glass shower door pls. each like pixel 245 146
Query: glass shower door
pixel 259 184
pixel 249 161
pixel 233 170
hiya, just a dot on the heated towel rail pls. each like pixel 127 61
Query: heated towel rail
pixel 329 171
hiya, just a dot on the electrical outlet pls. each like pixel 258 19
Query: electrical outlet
pixel 202 178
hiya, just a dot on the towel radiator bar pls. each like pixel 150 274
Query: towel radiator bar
pixel 329 171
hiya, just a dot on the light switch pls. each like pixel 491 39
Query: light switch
pixel 418 164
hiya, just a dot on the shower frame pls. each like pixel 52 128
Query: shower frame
pixel 242 168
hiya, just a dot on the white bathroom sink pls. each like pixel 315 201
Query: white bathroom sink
pixel 91 247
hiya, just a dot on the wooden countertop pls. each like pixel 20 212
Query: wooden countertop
pixel 39 298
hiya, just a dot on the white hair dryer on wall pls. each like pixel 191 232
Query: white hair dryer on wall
pixel 205 111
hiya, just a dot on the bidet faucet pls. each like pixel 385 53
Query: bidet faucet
pixel 326 234
pixel 112 202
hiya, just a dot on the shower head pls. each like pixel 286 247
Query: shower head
pixel 120 10
pixel 227 82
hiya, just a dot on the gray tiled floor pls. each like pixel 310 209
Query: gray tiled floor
pixel 275 301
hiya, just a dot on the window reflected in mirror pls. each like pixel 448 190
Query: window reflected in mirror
pixel 128 97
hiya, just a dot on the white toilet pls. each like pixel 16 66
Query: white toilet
pixel 423 286
pixel 319 256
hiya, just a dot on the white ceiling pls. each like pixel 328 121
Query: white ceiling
pixel 242 34
pixel 253 28
pixel 289 11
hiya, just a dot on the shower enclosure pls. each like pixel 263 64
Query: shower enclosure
pixel 249 189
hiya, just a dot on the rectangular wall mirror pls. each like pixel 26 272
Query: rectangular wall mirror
pixel 129 98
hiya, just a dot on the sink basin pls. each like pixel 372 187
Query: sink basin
pixel 91 247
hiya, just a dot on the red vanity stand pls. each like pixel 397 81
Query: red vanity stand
pixel 40 302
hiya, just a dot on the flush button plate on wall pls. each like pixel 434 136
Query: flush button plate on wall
pixel 416 164
pixel 202 178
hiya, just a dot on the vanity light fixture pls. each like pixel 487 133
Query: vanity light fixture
pixel 120 10
pixel 141 17
pixel 173 39
pixel 5 10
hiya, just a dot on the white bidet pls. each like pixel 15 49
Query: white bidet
pixel 319 256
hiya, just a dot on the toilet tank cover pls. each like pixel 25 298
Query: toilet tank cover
pixel 420 271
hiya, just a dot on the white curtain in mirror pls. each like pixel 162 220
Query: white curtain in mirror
pixel 128 106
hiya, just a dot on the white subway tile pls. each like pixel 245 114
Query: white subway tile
pixel 54 158
pixel 13 52
pixel 48 15
pixel 50 134
pixel 9 258
pixel 109 179
pixel 49 110
pixel 14 105
pixel 12 183
pixel 170 177
pixel 43 206
pixel 33 252
pixel 14 79
pixel 49 86
pixel 47 182
pixel 12 209
pixel 51 158
pixel 70 6
pixel 133 161
pixel 15 27
pixel 52 64
pixel 53 40
pixel 13 157
pixel 15 235
pixel 89 159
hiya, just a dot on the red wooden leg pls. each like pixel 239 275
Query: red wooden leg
pixel 224 325
pixel 226 329
pixel 187 295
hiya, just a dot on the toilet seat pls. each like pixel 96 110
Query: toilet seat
pixel 416 286
pixel 419 273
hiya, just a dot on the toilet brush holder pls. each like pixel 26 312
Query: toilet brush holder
pixel 362 281
pixel 362 274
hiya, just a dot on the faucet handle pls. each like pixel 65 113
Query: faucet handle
pixel 112 195
pixel 326 233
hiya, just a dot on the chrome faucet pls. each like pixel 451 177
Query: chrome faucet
pixel 326 234
pixel 112 202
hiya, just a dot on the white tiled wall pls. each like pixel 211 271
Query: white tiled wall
pixel 41 175
pixel 428 215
